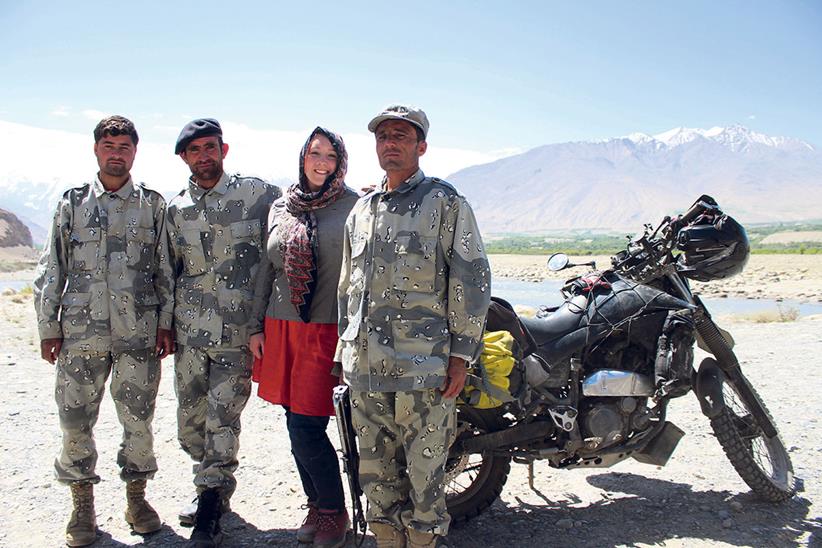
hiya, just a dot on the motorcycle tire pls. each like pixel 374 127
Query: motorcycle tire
pixel 762 462
pixel 474 481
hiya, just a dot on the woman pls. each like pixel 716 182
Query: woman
pixel 296 291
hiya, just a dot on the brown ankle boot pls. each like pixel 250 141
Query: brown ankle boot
pixel 419 539
pixel 306 532
pixel 139 513
pixel 387 536
pixel 82 526
pixel 332 529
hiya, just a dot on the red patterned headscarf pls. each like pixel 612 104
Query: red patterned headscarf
pixel 298 234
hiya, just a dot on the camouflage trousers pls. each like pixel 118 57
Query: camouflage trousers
pixel 404 439
pixel 81 381
pixel 213 386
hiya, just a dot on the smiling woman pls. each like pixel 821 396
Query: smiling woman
pixel 296 307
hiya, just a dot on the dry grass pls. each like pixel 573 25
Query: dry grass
pixel 782 314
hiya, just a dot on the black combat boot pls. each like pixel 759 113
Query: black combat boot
pixel 207 533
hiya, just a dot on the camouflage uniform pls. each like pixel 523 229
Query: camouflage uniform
pixel 215 241
pixel 414 290
pixel 104 286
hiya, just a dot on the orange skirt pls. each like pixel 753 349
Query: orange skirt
pixel 296 367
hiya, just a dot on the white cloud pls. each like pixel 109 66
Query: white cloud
pixel 95 115
pixel 752 117
pixel 61 111
pixel 46 155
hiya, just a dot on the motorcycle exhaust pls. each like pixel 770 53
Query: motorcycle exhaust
pixel 504 438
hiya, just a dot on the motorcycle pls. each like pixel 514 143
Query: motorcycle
pixel 593 377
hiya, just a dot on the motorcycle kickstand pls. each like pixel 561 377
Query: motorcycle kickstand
pixel 531 476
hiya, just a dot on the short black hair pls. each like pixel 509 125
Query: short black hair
pixel 114 126
pixel 420 134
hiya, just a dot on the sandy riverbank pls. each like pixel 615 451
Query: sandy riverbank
pixel 788 277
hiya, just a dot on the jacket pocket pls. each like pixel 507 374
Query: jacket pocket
pixel 416 266
pixel 421 347
pixel 246 230
pixel 85 248
pixel 140 247
pixel 75 315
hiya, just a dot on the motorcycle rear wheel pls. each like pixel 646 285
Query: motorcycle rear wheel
pixel 474 481
pixel 761 461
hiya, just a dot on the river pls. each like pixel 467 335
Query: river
pixel 546 293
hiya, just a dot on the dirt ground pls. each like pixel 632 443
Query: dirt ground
pixel 696 500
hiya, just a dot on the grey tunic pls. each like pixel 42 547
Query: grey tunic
pixel 272 296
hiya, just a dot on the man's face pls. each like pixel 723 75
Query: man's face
pixel 115 155
pixel 397 146
pixel 204 156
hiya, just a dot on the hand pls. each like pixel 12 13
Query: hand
pixel 256 343
pixel 50 349
pixel 165 343
pixel 455 377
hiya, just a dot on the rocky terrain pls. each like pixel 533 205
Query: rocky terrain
pixel 16 251
pixel 696 500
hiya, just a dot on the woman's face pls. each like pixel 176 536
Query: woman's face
pixel 320 161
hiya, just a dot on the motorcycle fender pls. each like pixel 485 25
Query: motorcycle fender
pixel 725 335
pixel 708 388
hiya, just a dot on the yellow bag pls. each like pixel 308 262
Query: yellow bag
pixel 489 379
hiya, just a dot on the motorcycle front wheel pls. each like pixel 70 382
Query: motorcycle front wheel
pixel 474 481
pixel 761 461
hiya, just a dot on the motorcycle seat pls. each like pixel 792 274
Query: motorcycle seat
pixel 564 320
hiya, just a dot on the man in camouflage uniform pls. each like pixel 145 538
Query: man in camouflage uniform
pixel 216 226
pixel 103 301
pixel 414 291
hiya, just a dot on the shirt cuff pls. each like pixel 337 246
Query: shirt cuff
pixel 50 330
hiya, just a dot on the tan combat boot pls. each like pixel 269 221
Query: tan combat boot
pixel 387 536
pixel 82 526
pixel 418 539
pixel 139 513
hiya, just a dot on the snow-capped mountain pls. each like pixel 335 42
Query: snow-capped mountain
pixel 624 182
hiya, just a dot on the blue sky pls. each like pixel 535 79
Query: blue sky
pixel 493 77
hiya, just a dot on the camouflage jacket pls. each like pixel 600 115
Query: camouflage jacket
pixel 215 242
pixel 104 281
pixel 414 287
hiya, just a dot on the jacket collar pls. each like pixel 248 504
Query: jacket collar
pixel 220 188
pixel 123 192
pixel 406 186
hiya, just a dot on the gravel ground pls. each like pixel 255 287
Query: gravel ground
pixel 697 500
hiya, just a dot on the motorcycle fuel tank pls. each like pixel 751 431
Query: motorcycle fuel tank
pixel 613 382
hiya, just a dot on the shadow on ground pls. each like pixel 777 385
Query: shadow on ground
pixel 639 510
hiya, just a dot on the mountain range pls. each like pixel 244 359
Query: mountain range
pixel 606 185
pixel 623 182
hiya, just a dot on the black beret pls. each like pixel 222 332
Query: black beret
pixel 195 129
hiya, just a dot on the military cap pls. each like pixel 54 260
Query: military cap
pixel 408 113
pixel 202 127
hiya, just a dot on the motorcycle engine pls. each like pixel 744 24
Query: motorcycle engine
pixel 611 420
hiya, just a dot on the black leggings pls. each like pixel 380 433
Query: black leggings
pixel 316 460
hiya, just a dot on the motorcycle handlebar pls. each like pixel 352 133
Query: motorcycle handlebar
pixel 704 203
